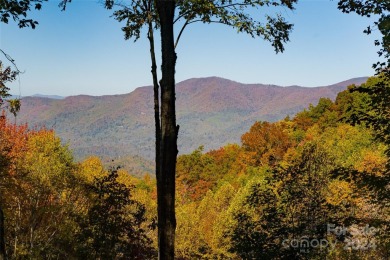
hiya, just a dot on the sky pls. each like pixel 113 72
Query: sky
pixel 83 51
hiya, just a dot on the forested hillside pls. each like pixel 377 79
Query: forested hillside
pixel 122 125
pixel 310 186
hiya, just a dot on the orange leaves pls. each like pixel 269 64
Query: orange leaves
pixel 303 121
pixel 36 185
pixel 17 142
pixel 373 162
pixel 200 189
pixel 13 140
pixel 34 157
pixel 269 141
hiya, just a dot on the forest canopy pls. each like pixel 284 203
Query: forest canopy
pixel 287 186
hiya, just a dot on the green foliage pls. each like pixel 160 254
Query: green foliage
pixel 211 211
pixel 187 243
pixel 6 75
pixel 196 174
pixel 324 114
pixel 17 11
pixel 14 106
pixel 378 114
pixel 257 230
pixel 235 14
pixel 352 105
pixel 316 112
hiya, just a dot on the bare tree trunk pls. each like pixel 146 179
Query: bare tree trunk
pixel 156 101
pixel 2 239
pixel 169 131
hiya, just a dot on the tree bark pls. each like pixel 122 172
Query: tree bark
pixel 2 240
pixel 156 97
pixel 169 131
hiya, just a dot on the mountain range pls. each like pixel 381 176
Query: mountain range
pixel 210 111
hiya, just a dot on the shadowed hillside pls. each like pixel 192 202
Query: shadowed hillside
pixel 211 112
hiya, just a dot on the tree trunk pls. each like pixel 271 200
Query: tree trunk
pixel 156 101
pixel 2 240
pixel 169 131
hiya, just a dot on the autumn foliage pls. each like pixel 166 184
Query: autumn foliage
pixel 287 180
pixel 47 199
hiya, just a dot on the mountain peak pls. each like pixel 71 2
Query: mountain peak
pixel 206 80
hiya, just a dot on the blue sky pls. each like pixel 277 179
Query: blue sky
pixel 83 51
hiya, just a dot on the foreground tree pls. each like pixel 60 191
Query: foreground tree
pixel 230 13
pixel 17 11
pixel 6 75
pixel 377 116
pixel 112 227
pixel 160 14
pixel 36 190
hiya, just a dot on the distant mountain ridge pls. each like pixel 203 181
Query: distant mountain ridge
pixel 48 96
pixel 210 111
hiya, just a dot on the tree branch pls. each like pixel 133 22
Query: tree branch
pixel 9 58
pixel 200 20
pixel 181 32
pixel 191 22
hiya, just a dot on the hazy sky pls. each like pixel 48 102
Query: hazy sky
pixel 83 51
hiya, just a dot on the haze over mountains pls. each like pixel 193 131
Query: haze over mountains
pixel 210 111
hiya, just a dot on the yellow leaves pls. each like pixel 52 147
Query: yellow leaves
pixel 210 209
pixel 14 106
pixel 125 178
pixel 91 168
pixel 46 160
pixel 200 227
pixel 39 189
pixel 313 133
pixel 344 143
pixel 187 236
pixel 291 156
pixel 373 162
pixel 339 193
